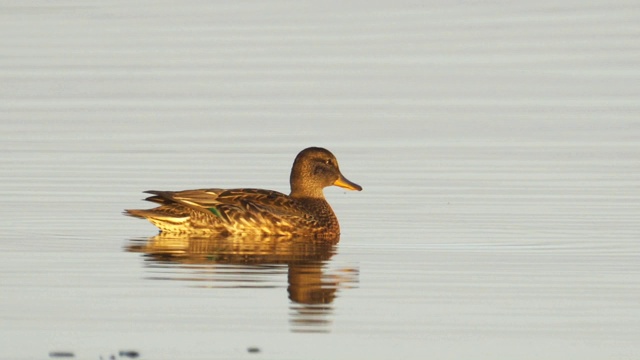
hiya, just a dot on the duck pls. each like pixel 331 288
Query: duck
pixel 247 211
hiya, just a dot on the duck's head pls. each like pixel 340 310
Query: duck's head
pixel 314 169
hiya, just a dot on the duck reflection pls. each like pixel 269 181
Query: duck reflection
pixel 257 263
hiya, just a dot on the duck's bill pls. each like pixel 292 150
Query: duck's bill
pixel 343 182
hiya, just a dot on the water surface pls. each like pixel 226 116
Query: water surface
pixel 497 145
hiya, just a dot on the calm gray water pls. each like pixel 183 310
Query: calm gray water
pixel 497 145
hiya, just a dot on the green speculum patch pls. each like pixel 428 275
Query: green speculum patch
pixel 215 212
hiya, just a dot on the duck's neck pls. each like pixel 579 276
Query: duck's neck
pixel 301 192
pixel 303 188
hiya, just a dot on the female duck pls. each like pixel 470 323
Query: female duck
pixel 304 212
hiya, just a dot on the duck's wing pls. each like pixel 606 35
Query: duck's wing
pixel 245 205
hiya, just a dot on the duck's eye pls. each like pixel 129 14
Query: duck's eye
pixel 328 162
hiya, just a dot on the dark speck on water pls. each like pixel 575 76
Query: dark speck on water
pixel 253 350
pixel 57 354
pixel 129 353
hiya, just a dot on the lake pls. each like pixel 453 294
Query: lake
pixel 496 144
